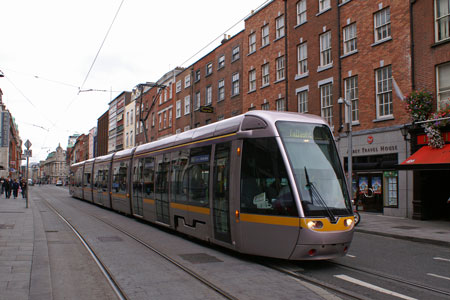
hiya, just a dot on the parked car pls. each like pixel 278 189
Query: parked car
pixel 59 183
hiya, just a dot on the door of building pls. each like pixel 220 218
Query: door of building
pixel 370 192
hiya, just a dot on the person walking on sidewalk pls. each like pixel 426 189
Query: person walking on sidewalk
pixel 7 187
pixel 15 188
pixel 2 187
pixel 23 186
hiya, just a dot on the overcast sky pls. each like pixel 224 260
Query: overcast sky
pixel 48 46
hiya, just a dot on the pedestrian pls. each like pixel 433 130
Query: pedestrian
pixel 2 187
pixel 15 188
pixel 23 186
pixel 7 186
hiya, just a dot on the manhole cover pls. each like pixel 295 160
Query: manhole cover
pixel 106 239
pixel 199 258
pixel 6 226
pixel 405 227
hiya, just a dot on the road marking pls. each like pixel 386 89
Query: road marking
pixel 438 276
pixel 440 258
pixel 373 287
pixel 349 255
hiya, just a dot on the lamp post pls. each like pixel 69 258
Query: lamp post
pixel 348 104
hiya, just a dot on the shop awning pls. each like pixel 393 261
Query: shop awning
pixel 427 158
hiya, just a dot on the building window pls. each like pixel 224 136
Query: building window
pixel 128 118
pixel 279 23
pixel 251 43
pixel 127 141
pixel 390 183
pixel 302 55
pixel 301 12
pixel 165 119
pixel 265 106
pixel 325 49
pixel 187 105
pixel 384 91
pixel 265 75
pixel 265 35
pixel 160 121
pixel 252 80
pixel 197 75
pixel 443 85
pixel 131 138
pixel 153 119
pixel 351 94
pixel 324 5
pixel 208 96
pixel 302 100
pixel 382 24
pixel 220 118
pixel 281 105
pixel 178 111
pixel 187 81
pixel 235 55
pixel 442 16
pixel 350 38
pixel 221 90
pixel 235 84
pixel 209 69
pixel 186 128
pixel 326 100
pixel 197 102
pixel 221 62
pixel 170 117
pixel 280 68
pixel 178 88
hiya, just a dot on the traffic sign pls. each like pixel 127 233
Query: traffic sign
pixel 27 153
pixel 28 144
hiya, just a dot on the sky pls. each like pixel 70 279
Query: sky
pixel 48 51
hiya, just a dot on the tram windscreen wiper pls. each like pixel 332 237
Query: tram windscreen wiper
pixel 314 193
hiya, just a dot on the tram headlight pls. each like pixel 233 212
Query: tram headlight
pixel 348 222
pixel 315 224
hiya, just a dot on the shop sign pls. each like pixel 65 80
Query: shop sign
pixel 369 139
pixel 375 149
pixel 4 129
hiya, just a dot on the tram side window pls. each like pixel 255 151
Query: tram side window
pixel 265 187
pixel 196 177
pixel 97 174
pixel 148 177
pixel 120 177
pixel 180 161
pixel 78 177
pixel 104 179
pixel 87 179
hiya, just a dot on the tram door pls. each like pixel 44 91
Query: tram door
pixel 221 193
pixel 137 187
pixel 162 188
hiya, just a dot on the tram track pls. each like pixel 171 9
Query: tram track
pixel 110 278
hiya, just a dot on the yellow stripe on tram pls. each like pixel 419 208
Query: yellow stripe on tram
pixel 327 225
pixel 149 201
pixel 191 208
pixel 272 220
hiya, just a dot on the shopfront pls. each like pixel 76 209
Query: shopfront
pixel 377 185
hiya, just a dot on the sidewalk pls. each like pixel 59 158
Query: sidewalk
pixel 431 231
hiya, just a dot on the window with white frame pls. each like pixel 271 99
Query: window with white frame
pixel 153 119
pixel 165 119
pixel 235 84
pixel 442 17
pixel 235 53
pixel 324 5
pixel 170 117
pixel 280 68
pixel 128 118
pixel 221 62
pixel 302 101
pixel 165 95
pixel 178 109
pixel 265 106
pixel 252 43
pixel 265 74
pixel 127 140
pixel 170 89
pixel 279 23
pixel 281 104
pixel 197 75
pixel 301 12
pixel 131 138
pixel 209 69
pixel 443 85
pixel 178 88
pixel 265 35
pixel 382 21
pixel 350 38
pixel 132 117
pixel 221 90
pixel 252 80
pixel 208 95
pixel 384 91
pixel 187 104
pixel 326 101
pixel 160 120
pixel 351 94
pixel 197 102
pixel 302 56
pixel 325 49
pixel 187 81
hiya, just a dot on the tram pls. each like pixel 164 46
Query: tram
pixel 262 183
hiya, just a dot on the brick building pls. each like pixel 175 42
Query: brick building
pixel 102 134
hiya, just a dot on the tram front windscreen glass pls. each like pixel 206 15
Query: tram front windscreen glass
pixel 315 163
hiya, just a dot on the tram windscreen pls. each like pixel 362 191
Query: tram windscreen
pixel 317 170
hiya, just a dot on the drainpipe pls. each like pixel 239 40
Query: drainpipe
pixel 411 24
pixel 286 76
pixel 339 62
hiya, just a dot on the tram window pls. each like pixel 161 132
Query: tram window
pixel 105 178
pixel 120 177
pixel 196 177
pixel 148 176
pixel 265 187
pixel 97 174
pixel 87 179
pixel 179 167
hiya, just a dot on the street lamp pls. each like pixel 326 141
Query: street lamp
pixel 348 104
